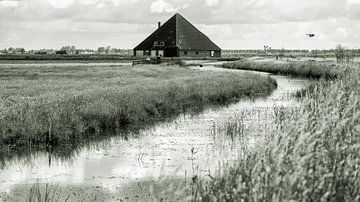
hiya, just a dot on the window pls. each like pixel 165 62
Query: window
pixel 197 53
pixel 185 53
pixel 159 43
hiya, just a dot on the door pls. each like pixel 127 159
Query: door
pixel 153 53
pixel 171 52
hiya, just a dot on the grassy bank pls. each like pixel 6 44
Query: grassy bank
pixel 311 153
pixel 48 105
pixel 304 69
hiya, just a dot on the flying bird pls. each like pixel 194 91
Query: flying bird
pixel 311 35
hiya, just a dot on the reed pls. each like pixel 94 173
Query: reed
pixel 304 69
pixel 44 193
pixel 48 105
pixel 310 153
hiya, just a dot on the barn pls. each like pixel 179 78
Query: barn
pixel 177 38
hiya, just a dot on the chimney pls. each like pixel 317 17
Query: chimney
pixel 159 24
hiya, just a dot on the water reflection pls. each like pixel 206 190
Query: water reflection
pixel 164 149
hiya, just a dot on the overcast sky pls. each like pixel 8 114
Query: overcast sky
pixel 232 24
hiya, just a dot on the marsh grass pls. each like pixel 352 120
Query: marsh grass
pixel 310 69
pixel 310 153
pixel 44 193
pixel 64 104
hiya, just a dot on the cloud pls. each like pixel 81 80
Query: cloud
pixel 9 3
pixel 353 9
pixel 211 2
pixel 230 23
pixel 342 32
pixel 353 1
pixel 161 6
pixel 59 4
pixel 199 11
pixel 105 3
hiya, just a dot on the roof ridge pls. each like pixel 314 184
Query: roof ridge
pixel 177 29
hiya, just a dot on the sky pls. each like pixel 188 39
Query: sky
pixel 232 24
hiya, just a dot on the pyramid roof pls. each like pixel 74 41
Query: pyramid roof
pixel 178 32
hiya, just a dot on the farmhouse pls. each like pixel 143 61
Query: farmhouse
pixel 177 38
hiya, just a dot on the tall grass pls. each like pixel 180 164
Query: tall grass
pixel 46 193
pixel 312 153
pixel 49 105
pixel 304 69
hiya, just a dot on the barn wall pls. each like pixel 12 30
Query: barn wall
pixel 139 53
pixel 198 53
pixel 217 54
pixel 148 53
pixel 153 53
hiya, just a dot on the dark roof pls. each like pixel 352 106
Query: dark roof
pixel 180 33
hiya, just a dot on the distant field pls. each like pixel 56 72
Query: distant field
pixel 49 104
pixel 41 57
pixel 311 69
pixel 91 58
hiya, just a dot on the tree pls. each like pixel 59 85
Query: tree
pixel 72 50
pixel 66 49
pixel 339 53
pixel 108 49
pixel 11 50
pixel 20 50
pixel 101 50
pixel 350 56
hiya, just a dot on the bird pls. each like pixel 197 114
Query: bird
pixel 311 35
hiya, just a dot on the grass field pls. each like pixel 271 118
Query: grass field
pixel 311 153
pixel 85 58
pixel 48 105
pixel 304 69
pixel 4 58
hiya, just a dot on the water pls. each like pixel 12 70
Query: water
pixel 162 150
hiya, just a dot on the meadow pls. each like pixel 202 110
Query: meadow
pixel 16 58
pixel 49 105
pixel 309 153
pixel 310 69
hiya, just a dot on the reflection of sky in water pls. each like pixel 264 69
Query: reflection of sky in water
pixel 164 149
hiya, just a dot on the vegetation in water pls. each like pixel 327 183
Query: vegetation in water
pixel 304 69
pixel 48 105
pixel 310 153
